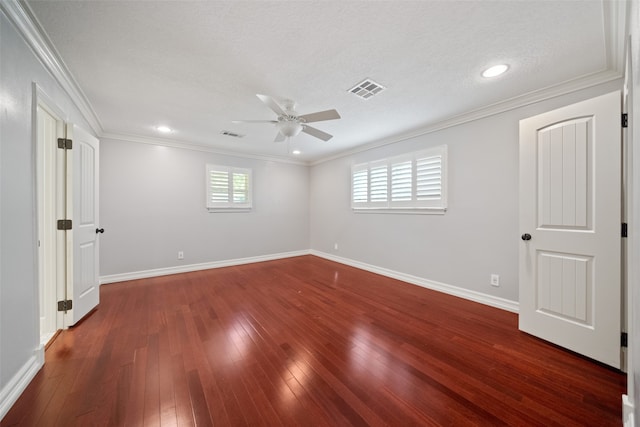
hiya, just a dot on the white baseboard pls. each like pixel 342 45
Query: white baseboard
pixel 425 283
pixel 627 412
pixel 486 299
pixel 14 388
pixel 144 274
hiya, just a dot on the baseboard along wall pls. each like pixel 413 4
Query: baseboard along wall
pixel 480 297
pixel 14 388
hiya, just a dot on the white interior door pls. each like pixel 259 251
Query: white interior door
pixel 570 221
pixel 82 208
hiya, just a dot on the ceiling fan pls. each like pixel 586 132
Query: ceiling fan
pixel 289 123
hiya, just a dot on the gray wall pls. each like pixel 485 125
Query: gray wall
pixel 19 333
pixel 476 237
pixel 152 202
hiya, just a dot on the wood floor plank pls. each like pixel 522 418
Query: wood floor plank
pixel 184 409
pixel 305 341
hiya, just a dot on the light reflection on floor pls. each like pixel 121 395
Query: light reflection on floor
pixel 368 358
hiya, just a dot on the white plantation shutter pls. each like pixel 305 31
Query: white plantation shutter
pixel 360 186
pixel 401 181
pixel 228 188
pixel 411 182
pixel 240 187
pixel 429 178
pixel 379 184
pixel 218 187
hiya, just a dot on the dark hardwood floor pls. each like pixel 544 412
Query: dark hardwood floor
pixel 305 341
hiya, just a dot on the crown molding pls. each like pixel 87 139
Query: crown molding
pixel 529 98
pixel 614 27
pixel 197 147
pixel 27 25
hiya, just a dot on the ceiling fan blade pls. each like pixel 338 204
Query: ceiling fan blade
pixel 317 133
pixel 254 121
pixel 271 103
pixel 279 138
pixel 320 116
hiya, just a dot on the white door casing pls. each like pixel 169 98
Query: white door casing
pixel 50 192
pixel 82 209
pixel 570 205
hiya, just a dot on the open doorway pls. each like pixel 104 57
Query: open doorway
pixel 51 196
pixel 67 166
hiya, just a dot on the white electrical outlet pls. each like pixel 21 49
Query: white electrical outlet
pixel 495 280
pixel 180 255
pixel 335 246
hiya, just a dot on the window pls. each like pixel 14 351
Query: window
pixel 415 182
pixel 228 188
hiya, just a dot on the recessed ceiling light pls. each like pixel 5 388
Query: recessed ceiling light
pixel 164 129
pixel 296 152
pixel 495 71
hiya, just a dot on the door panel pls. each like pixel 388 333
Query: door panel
pixel 570 198
pixel 564 286
pixel 564 151
pixel 84 287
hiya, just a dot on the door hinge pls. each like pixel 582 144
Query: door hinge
pixel 65 144
pixel 623 339
pixel 625 120
pixel 64 224
pixel 65 305
pixel 624 229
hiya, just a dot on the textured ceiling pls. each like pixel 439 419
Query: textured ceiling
pixel 196 66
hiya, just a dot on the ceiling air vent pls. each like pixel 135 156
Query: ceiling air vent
pixel 366 89
pixel 232 134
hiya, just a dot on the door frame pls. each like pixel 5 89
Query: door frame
pixel 50 254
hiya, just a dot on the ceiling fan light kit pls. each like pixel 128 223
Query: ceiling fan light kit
pixel 289 128
pixel 289 123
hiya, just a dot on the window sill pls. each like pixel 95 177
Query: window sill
pixel 228 210
pixel 409 211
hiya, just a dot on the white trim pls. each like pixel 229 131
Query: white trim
pixel 407 211
pixel 46 103
pixel 16 385
pixel 533 97
pixel 34 35
pixel 627 412
pixel 197 147
pixel 28 26
pixel 144 274
pixel 615 30
pixel 41 98
pixel 229 210
pixel 482 298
